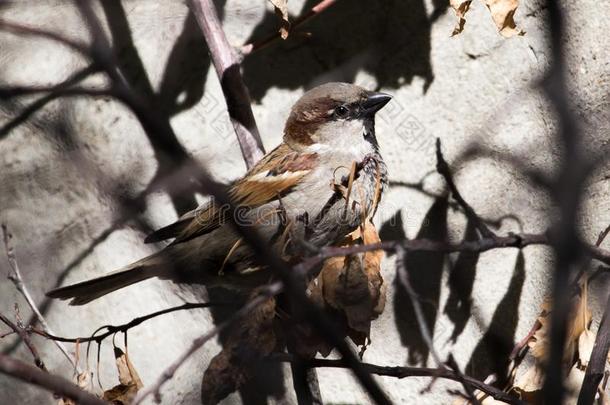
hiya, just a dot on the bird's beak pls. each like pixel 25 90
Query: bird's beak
pixel 375 102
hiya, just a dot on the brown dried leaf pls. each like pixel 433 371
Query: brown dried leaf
pixel 585 347
pixel 351 289
pixel 251 340
pixel 578 323
pixel 281 10
pixel 130 383
pixel 460 7
pixel 503 12
pixel 579 340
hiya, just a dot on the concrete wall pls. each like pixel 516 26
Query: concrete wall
pixel 65 170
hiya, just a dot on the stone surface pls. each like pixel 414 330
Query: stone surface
pixel 63 172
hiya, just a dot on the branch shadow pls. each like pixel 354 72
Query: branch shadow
pixel 425 272
pixel 461 280
pixel 390 39
pixel 185 74
pixel 491 355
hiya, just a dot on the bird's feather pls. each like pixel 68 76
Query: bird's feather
pixel 274 176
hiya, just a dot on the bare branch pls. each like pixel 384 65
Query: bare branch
pixel 113 329
pixel 247 49
pixel 18 329
pixel 231 81
pixel 56 384
pixel 15 276
pixel 405 372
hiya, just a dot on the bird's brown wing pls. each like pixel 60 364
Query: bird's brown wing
pixel 275 175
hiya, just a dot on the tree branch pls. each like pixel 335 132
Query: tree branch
pixel 247 49
pixel 233 87
pixel 112 329
pixel 58 385
pixel 15 276
pixel 405 372
pixel 18 329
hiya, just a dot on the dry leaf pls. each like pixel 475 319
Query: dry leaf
pixel 585 347
pixel 281 10
pixel 578 322
pixel 503 12
pixel 460 7
pixel 130 383
pixel 251 340
pixel 351 289
pixel 529 384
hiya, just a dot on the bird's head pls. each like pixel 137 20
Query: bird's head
pixel 333 116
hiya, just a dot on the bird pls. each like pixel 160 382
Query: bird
pixel 319 184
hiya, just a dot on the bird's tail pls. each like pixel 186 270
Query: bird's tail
pixel 86 291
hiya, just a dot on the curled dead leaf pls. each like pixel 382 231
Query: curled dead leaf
pixel 281 10
pixel 129 381
pixel 503 13
pixel 529 384
pixel 460 7
pixel 585 347
pixel 352 288
pixel 579 320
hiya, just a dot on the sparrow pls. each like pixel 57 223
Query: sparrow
pixel 321 183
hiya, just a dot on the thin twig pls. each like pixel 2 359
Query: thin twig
pixel 512 240
pixel 602 235
pixel 53 383
pixel 15 276
pixel 247 49
pixel 18 329
pixel 405 372
pixel 113 329
pixel 233 87
pixel 168 373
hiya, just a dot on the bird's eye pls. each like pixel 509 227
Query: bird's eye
pixel 341 111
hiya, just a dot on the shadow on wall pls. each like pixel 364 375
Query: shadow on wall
pixel 491 356
pixel 389 39
pixel 185 73
pixel 425 271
